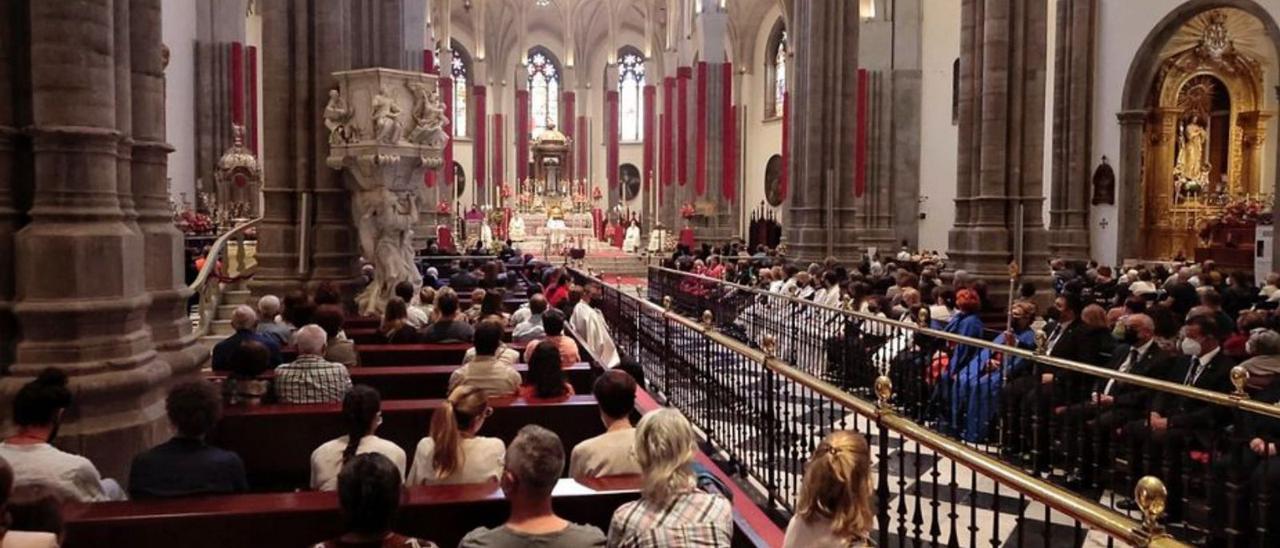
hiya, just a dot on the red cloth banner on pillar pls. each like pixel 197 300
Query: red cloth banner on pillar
pixel 663 172
pixel 649 165
pixel 784 179
pixel 446 96
pixel 429 67
pixel 683 74
pixel 668 116
pixel 498 146
pixel 479 145
pixel 860 138
pixel 522 135
pixel 729 184
pixel 254 130
pixel 237 83
pixel 584 151
pixel 700 132
pixel 570 100
pixel 611 128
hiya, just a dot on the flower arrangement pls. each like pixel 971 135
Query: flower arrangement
pixel 444 207
pixel 193 223
pixel 687 210
pixel 1238 213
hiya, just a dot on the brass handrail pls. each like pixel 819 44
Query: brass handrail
pixel 208 304
pixel 1085 510
pixel 1217 398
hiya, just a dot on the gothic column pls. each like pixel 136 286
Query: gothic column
pixel 1129 201
pixel 14 178
pixel 219 48
pixel 821 219
pixel 1072 129
pixel 80 269
pixel 1002 86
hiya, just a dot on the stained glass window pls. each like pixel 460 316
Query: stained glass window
pixel 544 92
pixel 780 75
pixel 461 89
pixel 630 101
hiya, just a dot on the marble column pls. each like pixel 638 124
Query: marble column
pixel 821 219
pixel 1001 156
pixel 80 281
pixel 1072 129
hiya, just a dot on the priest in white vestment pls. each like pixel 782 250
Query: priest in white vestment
pixel 587 324
pixel 631 242
pixel 517 229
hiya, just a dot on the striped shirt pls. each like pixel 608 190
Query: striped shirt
pixel 311 379
pixel 692 519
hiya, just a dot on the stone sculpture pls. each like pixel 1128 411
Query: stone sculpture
pixel 337 117
pixel 386 118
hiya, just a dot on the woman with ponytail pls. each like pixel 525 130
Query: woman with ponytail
pixel 37 413
pixel 671 510
pixel 453 453
pixel 361 416
pixel 834 510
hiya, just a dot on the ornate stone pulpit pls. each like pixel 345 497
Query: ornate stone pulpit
pixel 386 127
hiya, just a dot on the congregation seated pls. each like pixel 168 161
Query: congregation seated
pixel 834 509
pixel 338 348
pixel 672 511
pixel 473 312
pixel 396 328
pixel 613 452
pixel 556 286
pixel 426 305
pixel 491 306
pixel 245 322
pixel 414 316
pixel 553 325
pixel 12 534
pixel 546 378
pixel 1262 350
pixel 37 413
pixel 589 326
pixel 298 310
pixel 522 314
pixel 311 378
pixel 449 327
pixel 245 383
pixel 529 474
pixel 454 453
pixel 369 491
pixel 530 325
pixel 361 415
pixel 486 371
pixel 186 464
pixel 268 323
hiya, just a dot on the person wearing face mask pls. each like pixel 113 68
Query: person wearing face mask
pixel 1175 424
pixel 978 384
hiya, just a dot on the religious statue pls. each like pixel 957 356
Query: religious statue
pixel 1192 168
pixel 428 116
pixel 516 228
pixel 386 118
pixel 337 117
pixel 384 221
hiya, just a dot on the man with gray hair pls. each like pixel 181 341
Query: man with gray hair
pixel 533 465
pixel 1263 347
pixel 311 379
pixel 245 322
pixel 268 308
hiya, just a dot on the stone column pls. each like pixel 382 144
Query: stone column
pixel 1129 200
pixel 1072 129
pixel 1253 127
pixel 14 184
pixel 1002 86
pixel 821 219
pixel 219 25
pixel 82 300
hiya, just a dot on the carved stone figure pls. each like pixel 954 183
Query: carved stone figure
pixel 386 118
pixel 1191 158
pixel 337 117
pixel 429 117
pixel 384 221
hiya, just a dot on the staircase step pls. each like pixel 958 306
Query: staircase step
pixel 221 328
pixel 237 297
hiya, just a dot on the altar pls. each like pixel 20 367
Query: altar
pixel 551 209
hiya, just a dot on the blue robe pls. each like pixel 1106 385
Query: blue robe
pixel 946 398
pixel 979 391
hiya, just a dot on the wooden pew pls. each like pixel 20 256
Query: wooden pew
pixel 370 335
pixel 432 381
pixel 372 355
pixel 440 514
pixel 275 441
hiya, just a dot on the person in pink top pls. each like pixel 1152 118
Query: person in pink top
pixel 553 323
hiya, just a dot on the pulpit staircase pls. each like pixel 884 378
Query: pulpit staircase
pixel 222 285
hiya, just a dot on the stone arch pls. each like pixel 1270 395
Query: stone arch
pixel 1142 74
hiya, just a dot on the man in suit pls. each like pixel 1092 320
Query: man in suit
pixel 1247 471
pixel 1112 403
pixel 1176 424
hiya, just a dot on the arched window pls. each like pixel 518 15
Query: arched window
pixel 461 90
pixel 630 101
pixel 544 90
pixel 776 70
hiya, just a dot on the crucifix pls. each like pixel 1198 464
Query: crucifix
pixel 1103 223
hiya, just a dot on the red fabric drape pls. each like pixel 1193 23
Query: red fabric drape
pixel 663 173
pixel 236 75
pixel 429 67
pixel 611 129
pixel 446 96
pixel 252 133
pixel 668 96
pixel 649 144
pixel 729 186
pixel 702 111
pixel 860 138
pixel 784 180
pixel 498 146
pixel 479 146
pixel 570 100
pixel 522 135
pixel 583 151
pixel 682 123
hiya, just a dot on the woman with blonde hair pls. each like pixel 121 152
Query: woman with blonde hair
pixel 453 453
pixel 671 510
pixel 834 510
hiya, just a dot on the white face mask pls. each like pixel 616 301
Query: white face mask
pixel 1190 347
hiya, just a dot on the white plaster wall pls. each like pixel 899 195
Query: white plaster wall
pixel 1051 45
pixel 763 135
pixel 1122 27
pixel 938 136
pixel 178 20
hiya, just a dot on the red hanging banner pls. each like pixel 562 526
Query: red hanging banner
pixel 479 144
pixel 251 134
pixel 522 136
pixel 570 100
pixel 584 158
pixel 663 172
pixel 446 96
pixel 729 186
pixel 668 101
pixel 236 76
pixel 860 138
pixel 784 178
pixel 649 144
pixel 498 146
pixel 611 128
pixel 683 74
pixel 700 132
